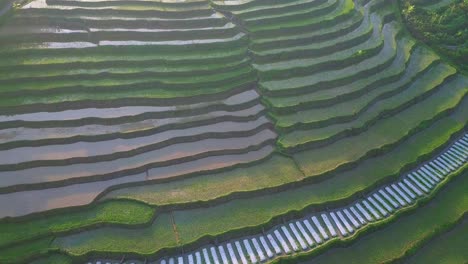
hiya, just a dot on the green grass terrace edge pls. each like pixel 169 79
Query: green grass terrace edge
pixel 460 174
pixel 244 194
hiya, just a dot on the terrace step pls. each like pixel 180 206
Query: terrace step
pixel 84 193
pixel 338 76
pixel 293 238
pixel 273 9
pixel 274 58
pixel 307 66
pixel 408 90
pixel 278 42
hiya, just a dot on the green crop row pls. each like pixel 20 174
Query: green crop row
pixel 357 116
pixel 15 231
pixel 447 248
pixel 407 232
pixel 383 134
pixel 193 225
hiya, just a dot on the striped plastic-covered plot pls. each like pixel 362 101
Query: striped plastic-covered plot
pixel 427 177
pixel 462 147
pixel 435 172
pixel 180 260
pixel 240 252
pixel 358 215
pixel 214 255
pixel 417 183
pixel 291 240
pixel 428 172
pixel 461 144
pixel 258 249
pixel 460 155
pixel 338 224
pixel 449 164
pixel 383 202
pixel 224 257
pixel 448 167
pixel 459 152
pixel 389 199
pixel 405 190
pixel 400 200
pixel 454 157
pixel 351 218
pixel 283 243
pixel 206 256
pixel 190 259
pixel 345 221
pixel 232 254
pixel 463 140
pixel 250 252
pixel 452 165
pixel 273 243
pixel 198 257
pixel 364 212
pixel 412 187
pixel 377 206
pixel 313 232
pixel 464 144
pixel 298 236
pixel 304 233
pixel 371 209
pixel 266 247
pixel 320 228
pixel 453 161
pixel 329 226
pixel 446 164
pixel 439 166
pixel 425 182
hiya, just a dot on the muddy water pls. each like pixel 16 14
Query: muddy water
pixel 81 194
pixel 32 134
pixel 109 147
pixel 127 111
pixel 170 153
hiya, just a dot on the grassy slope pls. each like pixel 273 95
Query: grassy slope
pixel 274 172
pixel 448 248
pixel 386 131
pixel 115 212
pixel 143 240
pixel 194 224
pixel 402 235
pixel 18 253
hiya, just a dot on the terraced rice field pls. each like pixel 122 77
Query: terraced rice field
pixel 239 131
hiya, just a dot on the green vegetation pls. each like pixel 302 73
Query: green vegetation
pixel 447 248
pixel 443 27
pixel 276 171
pixel 25 251
pixel 145 241
pixel 114 212
pixel 183 123
pixel 408 231
pixel 237 214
